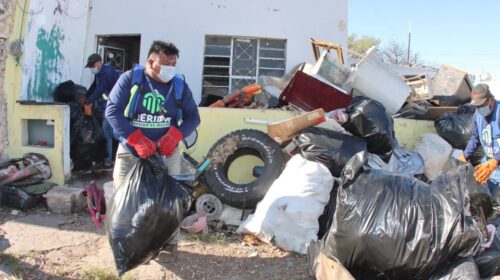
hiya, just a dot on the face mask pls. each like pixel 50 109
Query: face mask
pixel 166 73
pixel 94 70
pixel 484 111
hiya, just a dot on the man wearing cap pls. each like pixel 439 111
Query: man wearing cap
pixel 104 80
pixel 485 132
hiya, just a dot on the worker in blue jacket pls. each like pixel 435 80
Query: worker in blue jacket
pixel 486 132
pixel 105 78
pixel 151 109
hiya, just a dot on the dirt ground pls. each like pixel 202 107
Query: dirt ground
pixel 44 245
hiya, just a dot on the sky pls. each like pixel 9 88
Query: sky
pixel 464 34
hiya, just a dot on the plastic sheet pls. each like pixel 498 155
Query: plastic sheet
pixel 146 212
pixel 398 226
pixel 488 262
pixel 402 162
pixel 464 269
pixel 435 151
pixel 369 120
pixel 331 148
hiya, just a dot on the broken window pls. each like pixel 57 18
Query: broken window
pixel 231 63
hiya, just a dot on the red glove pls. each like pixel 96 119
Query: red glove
pixel 169 141
pixel 142 145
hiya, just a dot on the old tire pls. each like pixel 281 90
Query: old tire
pixel 232 146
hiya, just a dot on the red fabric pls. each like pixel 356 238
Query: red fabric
pixel 169 141
pixel 96 202
pixel 142 144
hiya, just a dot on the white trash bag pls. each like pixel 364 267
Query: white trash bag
pixel 435 151
pixel 289 212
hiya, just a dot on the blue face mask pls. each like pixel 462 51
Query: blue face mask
pixel 484 111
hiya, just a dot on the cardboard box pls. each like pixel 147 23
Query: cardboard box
pixel 287 129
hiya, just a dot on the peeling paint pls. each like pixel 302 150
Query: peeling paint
pixel 49 62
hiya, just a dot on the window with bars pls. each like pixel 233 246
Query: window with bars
pixel 231 63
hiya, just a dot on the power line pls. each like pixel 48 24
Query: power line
pixel 28 12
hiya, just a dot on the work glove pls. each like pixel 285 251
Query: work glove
pixel 169 141
pixel 484 171
pixel 142 145
pixel 462 158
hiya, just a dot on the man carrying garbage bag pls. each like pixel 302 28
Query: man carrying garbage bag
pixel 105 78
pixel 485 132
pixel 151 109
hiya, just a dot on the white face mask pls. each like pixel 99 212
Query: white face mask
pixel 94 70
pixel 484 111
pixel 166 73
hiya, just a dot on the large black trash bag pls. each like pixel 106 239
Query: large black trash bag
pixel 68 92
pixel 456 127
pixel 399 226
pixel 87 142
pixel 369 120
pixel 331 148
pixel 146 213
pixel 463 269
pixel 91 131
pixel 488 262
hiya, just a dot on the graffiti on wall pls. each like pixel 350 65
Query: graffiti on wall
pixel 48 64
pixel 53 46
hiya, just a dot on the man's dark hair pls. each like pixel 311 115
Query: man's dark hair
pixel 166 48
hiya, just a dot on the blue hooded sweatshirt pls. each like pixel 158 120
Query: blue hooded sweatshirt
pixel 156 110
pixel 103 83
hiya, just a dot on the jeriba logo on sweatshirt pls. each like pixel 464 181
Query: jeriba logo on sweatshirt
pixel 153 103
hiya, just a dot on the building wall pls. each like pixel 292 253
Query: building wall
pixel 17 114
pixel 7 11
pixel 53 46
pixel 187 22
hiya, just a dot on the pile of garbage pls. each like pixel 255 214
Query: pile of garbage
pixel 339 187
pixel 87 143
pixel 23 181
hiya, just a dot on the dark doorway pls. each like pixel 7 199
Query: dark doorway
pixel 119 51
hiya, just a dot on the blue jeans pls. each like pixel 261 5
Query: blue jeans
pixel 108 134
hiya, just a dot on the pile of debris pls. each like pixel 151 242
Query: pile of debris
pixel 23 181
pixel 340 187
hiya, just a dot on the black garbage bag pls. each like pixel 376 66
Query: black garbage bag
pixel 331 148
pixel 326 219
pixel 399 226
pixel 146 213
pixel 90 131
pixel 488 262
pixel 463 269
pixel 82 155
pixel 16 198
pixel 88 142
pixel 456 127
pixel 369 120
pixel 68 91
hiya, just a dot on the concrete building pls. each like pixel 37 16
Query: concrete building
pixel 224 45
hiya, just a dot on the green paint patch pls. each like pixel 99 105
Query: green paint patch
pixel 48 64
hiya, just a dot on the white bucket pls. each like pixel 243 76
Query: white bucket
pixel 376 80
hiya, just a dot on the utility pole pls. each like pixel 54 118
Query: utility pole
pixel 409 43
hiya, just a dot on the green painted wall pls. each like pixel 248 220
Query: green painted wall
pixel 48 64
